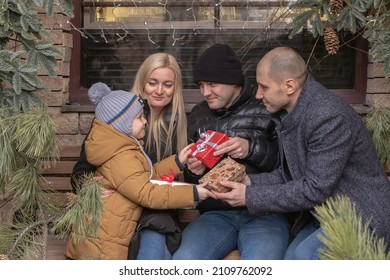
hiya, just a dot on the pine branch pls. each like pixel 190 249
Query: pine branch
pixel 8 160
pixel 378 124
pixel 28 139
pixel 35 135
pixel 371 17
pixel 25 237
pixel 82 214
pixel 25 231
pixel 346 237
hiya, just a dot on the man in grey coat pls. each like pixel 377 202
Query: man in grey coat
pixel 325 150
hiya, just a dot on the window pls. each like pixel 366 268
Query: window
pixel 114 37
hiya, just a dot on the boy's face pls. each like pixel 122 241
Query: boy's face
pixel 139 126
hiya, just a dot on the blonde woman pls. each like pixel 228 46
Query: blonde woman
pixel 159 83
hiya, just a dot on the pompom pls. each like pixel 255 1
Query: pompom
pixel 97 91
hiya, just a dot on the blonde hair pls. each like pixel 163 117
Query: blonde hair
pixel 158 129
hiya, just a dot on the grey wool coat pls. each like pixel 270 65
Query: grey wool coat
pixel 325 150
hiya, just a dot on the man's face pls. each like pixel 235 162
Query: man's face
pixel 218 95
pixel 272 93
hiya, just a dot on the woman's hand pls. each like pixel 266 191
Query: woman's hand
pixel 106 190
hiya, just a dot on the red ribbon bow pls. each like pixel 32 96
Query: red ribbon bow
pixel 203 141
pixel 169 178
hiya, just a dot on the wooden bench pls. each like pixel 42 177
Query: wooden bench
pixel 57 178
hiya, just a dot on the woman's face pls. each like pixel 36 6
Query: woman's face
pixel 160 87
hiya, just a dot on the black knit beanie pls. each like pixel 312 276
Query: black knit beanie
pixel 219 64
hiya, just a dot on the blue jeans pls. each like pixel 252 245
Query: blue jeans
pixel 153 246
pixel 216 233
pixel 305 245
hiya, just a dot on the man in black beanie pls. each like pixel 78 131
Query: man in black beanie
pixel 230 107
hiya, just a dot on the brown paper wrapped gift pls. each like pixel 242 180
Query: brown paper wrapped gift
pixel 227 169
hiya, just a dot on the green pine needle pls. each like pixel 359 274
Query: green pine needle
pixel 346 237
pixel 28 140
pixel 23 239
pixel 35 135
pixel 83 213
pixel 8 160
pixel 25 184
pixel 378 124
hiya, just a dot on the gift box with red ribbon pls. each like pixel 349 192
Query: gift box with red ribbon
pixel 204 148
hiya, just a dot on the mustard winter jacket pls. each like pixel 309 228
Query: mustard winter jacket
pixel 122 162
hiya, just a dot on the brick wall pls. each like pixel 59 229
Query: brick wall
pixel 72 127
pixel 378 87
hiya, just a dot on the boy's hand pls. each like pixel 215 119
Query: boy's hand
pixel 204 193
pixel 183 155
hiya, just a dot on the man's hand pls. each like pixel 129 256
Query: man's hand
pixel 235 197
pixel 195 166
pixel 235 147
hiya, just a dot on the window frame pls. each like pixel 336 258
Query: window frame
pixel 79 95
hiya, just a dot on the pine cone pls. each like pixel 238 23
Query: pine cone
pixel 68 197
pixel 331 40
pixel 336 6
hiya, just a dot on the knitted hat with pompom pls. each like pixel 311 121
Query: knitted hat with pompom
pixel 116 108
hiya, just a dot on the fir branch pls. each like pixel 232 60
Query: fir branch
pixel 23 102
pixel 82 214
pixel 47 63
pixel 371 17
pixel 67 7
pixel 49 7
pixel 345 236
